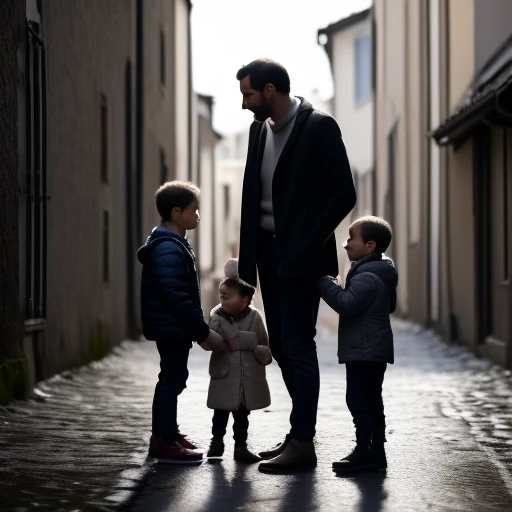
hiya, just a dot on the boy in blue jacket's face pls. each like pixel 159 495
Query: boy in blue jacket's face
pixel 183 219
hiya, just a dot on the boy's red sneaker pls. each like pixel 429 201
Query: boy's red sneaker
pixel 182 439
pixel 176 454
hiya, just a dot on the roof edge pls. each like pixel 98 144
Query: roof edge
pixel 345 23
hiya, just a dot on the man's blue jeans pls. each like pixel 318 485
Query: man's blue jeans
pixel 172 380
pixel 291 310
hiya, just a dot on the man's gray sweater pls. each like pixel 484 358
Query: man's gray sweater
pixel 277 136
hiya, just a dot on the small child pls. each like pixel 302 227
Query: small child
pixel 172 314
pixel 238 384
pixel 365 338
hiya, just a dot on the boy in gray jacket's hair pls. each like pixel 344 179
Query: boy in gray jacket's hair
pixel 365 338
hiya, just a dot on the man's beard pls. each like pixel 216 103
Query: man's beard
pixel 262 112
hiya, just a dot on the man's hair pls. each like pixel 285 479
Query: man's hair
pixel 243 288
pixel 263 72
pixel 175 194
pixel 374 229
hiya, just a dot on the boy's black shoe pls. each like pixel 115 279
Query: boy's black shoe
pixel 242 454
pixel 216 448
pixel 380 454
pixel 362 459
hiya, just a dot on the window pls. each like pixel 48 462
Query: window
pixel 162 57
pixel 363 68
pixel 106 252
pixel 104 138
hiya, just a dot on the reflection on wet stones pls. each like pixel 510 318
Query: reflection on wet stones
pixel 79 437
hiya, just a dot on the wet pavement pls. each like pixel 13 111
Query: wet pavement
pixel 81 442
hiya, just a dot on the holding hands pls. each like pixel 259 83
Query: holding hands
pixel 213 342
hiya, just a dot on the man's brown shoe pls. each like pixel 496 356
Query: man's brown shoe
pixel 277 450
pixel 297 455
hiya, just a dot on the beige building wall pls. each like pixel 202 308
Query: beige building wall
pixel 355 119
pixel 401 145
pixel 460 242
pixel 391 131
pixel 460 271
pixel 416 147
pixel 183 87
pixel 436 114
pixel 356 123
pixel 461 45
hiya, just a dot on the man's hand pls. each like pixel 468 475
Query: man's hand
pixel 213 342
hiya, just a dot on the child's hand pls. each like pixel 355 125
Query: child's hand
pixel 213 342
pixel 229 342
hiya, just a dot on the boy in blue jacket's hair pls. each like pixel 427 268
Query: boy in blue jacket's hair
pixel 172 314
pixel 365 338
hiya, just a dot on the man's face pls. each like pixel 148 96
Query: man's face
pixel 254 100
pixel 355 246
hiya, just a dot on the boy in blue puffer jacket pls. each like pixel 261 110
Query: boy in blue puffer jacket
pixel 172 314
pixel 365 338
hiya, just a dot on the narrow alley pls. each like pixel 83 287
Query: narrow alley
pixel 85 438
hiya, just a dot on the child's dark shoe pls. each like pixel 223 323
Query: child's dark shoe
pixel 242 454
pixel 362 459
pixel 216 448
pixel 380 454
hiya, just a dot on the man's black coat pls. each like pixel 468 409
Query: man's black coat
pixel 312 192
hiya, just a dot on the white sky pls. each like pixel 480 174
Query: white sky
pixel 227 34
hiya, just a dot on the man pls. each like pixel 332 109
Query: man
pixel 297 188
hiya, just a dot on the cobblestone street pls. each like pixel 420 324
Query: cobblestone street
pixel 81 442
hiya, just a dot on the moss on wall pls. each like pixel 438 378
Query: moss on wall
pixel 100 343
pixel 13 380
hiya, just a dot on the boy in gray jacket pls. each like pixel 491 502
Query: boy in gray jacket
pixel 365 338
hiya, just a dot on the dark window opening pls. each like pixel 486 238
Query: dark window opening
pixel 104 139
pixel 106 252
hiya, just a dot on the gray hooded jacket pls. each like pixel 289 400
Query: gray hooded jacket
pixel 364 305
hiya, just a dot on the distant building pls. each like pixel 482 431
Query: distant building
pixel 208 235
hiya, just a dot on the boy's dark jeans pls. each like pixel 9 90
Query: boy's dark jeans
pixel 291 310
pixel 172 381
pixel 240 424
pixel 364 400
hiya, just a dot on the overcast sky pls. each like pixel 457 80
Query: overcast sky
pixel 227 34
